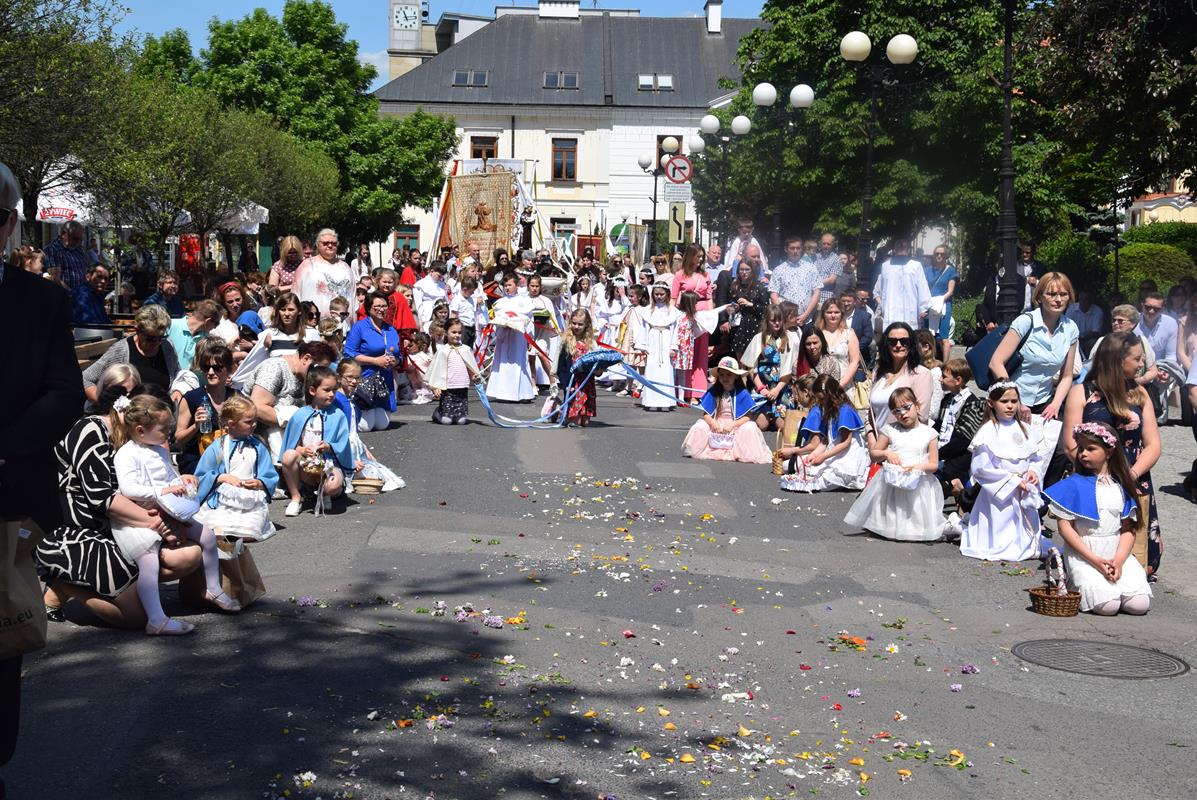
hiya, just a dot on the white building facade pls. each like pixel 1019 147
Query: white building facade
pixel 577 96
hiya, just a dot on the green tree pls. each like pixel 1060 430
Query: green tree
pixel 303 72
pixel 938 139
pixel 57 59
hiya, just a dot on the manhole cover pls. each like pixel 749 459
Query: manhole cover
pixel 1105 659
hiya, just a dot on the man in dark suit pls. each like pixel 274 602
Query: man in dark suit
pixel 42 398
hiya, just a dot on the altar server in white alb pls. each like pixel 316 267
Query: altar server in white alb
pixel 510 375
pixel 657 337
pixel 901 289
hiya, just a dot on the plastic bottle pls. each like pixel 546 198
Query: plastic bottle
pixel 206 426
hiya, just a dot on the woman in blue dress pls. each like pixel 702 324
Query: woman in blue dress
pixel 941 278
pixel 374 343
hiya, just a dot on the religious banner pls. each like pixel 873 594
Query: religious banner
pixel 481 210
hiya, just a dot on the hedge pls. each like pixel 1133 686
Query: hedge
pixel 1163 263
pixel 1177 234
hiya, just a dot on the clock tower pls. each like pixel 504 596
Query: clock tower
pixel 412 38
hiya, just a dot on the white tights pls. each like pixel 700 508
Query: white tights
pixel 1137 604
pixel 147 574
pixel 373 419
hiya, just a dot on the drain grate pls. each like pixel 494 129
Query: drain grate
pixel 1104 659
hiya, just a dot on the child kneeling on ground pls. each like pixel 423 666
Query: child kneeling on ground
pixel 316 451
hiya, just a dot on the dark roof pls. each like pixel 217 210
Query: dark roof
pixel 607 51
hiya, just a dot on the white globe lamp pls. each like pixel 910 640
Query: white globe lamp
pixel 764 95
pixel 665 160
pixel 902 49
pixel 855 46
pixel 801 96
pixel 645 160
pixel 709 124
pixel 670 144
pixel 696 144
pixel 741 125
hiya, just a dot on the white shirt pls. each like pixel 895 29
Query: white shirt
pixel 425 294
pixel 319 281
pixel 471 313
pixel 901 291
pixel 733 253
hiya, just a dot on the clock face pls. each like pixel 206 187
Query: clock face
pixel 407 18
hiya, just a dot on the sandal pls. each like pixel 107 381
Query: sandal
pixel 169 627
pixel 228 604
pixel 55 614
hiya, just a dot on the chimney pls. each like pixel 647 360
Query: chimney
pixel 714 11
pixel 559 9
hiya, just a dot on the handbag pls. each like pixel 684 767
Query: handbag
pixel 240 579
pixel 858 394
pixel 900 477
pixel 22 613
pixel 981 354
pixel 1142 520
pixel 372 391
pixel 721 441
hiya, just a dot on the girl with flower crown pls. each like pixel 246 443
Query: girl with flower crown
pixel 1096 508
pixel 1008 469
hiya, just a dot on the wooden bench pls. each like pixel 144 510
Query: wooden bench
pixel 88 352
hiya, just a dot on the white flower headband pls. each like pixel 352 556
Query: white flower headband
pixel 1003 385
pixel 121 403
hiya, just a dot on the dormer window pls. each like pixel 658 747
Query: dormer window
pixel 654 82
pixel 475 78
pixel 561 80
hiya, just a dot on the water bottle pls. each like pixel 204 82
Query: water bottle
pixel 206 426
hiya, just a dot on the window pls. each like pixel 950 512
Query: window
pixel 565 159
pixel 655 82
pixel 561 80
pixel 484 147
pixel 470 77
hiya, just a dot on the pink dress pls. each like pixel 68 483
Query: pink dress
pixel 696 374
pixel 748 445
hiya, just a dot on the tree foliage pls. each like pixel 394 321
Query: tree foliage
pixel 1162 263
pixel 938 140
pixel 303 72
pixel 57 60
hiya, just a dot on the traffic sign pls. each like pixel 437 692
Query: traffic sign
pixel 677 223
pixel 678 192
pixel 678 169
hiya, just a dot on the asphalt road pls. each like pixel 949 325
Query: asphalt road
pixel 670 629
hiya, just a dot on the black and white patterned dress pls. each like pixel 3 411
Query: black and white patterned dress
pixel 82 550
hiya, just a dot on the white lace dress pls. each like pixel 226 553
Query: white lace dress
pixel 912 514
pixel 244 513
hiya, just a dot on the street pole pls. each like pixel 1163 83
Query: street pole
pixel 653 237
pixel 864 241
pixel 1010 282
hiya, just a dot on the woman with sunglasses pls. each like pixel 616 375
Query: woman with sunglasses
pixel 282 272
pixel 199 410
pixel 898 364
pixel 288 327
pixel 147 350
pixel 324 276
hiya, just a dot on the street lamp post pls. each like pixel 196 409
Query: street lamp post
pixel 855 48
pixel 1010 283
pixel 709 125
pixel 651 166
pixel 764 96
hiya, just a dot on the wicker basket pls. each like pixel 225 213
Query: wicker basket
pixel 1044 601
pixel 367 485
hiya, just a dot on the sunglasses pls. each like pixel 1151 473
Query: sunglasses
pixel 148 339
pixel 896 342
pixel 328 244
pixel 214 367
pixel 1152 309
pixel 902 409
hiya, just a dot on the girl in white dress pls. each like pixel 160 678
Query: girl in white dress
pixel 658 332
pixel 237 476
pixel 610 308
pixel 547 326
pixel 1004 522
pixel 1096 509
pixel 510 378
pixel 903 501
pixel 840 457
pixel 145 474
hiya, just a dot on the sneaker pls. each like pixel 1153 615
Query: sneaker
pixel 280 493
pixel 293 508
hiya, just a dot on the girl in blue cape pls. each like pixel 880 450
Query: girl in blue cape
pixel 840 457
pixel 316 449
pixel 237 477
pixel 1096 508
pixel 727 431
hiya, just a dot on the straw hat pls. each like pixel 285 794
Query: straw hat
pixel 728 364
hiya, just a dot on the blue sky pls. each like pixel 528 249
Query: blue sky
pixel 367 19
